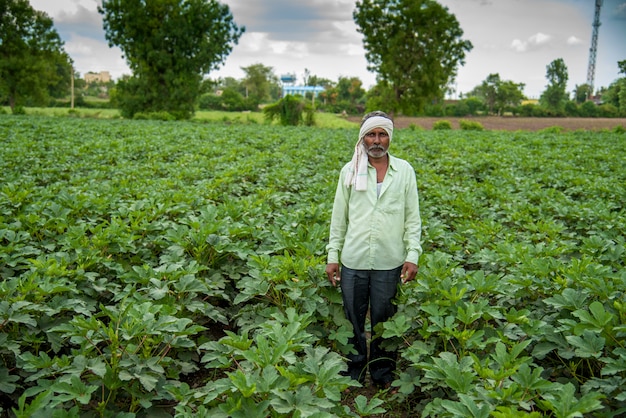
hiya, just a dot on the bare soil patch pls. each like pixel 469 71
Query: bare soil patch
pixel 513 123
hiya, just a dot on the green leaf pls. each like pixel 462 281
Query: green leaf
pixel 74 390
pixel 39 404
pixel 467 407
pixel 589 344
pixel 300 402
pixel 562 402
pixel 365 408
pixel 530 380
pixel 7 381
pixel 244 382
pixel 396 327
pixel 597 317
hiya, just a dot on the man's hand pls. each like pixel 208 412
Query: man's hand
pixel 334 273
pixel 409 271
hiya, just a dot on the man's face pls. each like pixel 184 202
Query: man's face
pixel 376 143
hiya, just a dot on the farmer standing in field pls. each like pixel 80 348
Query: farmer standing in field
pixel 375 235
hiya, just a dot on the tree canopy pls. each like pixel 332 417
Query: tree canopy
pixel 500 94
pixel 258 81
pixel 414 46
pixel 169 45
pixel 555 94
pixel 32 59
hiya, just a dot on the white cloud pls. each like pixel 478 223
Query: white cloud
pixel 518 45
pixel 533 42
pixel 539 39
pixel 573 40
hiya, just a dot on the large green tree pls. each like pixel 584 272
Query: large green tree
pixel 169 46
pixel 414 46
pixel 555 95
pixel 258 81
pixel 32 60
pixel 499 94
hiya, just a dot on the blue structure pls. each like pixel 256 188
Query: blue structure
pixel 302 90
pixel 288 78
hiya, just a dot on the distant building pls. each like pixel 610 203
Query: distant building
pixel 302 90
pixel 101 77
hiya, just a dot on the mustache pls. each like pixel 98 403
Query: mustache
pixel 375 148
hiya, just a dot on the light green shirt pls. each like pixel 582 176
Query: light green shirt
pixel 370 232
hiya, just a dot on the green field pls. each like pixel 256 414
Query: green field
pixel 322 120
pixel 177 269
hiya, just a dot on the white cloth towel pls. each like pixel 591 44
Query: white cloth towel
pixel 357 175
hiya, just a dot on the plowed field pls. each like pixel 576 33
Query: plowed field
pixel 516 123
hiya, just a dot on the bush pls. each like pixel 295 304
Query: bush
pixel 527 110
pixel 571 109
pixel 539 112
pixel 471 125
pixel 289 111
pixel 19 110
pixel 442 125
pixel 210 102
pixel 619 129
pixel 435 110
pixel 414 127
pixel 608 110
pixel 589 109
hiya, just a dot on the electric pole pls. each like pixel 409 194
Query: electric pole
pixel 591 69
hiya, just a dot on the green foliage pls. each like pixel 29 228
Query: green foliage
pixel 555 95
pixel 589 109
pixel 290 111
pixel 32 60
pixel 154 116
pixel 470 125
pixel 167 78
pixel 500 94
pixel 258 80
pixel 415 64
pixel 552 130
pixel 442 125
pixel 175 269
pixel 230 100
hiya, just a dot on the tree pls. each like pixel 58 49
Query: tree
pixel 350 89
pixel 555 95
pixel 258 81
pixel 581 92
pixel 32 60
pixel 414 46
pixel 621 88
pixel 489 90
pixel 499 94
pixel 290 110
pixel 169 45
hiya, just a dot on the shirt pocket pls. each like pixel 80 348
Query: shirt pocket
pixel 392 203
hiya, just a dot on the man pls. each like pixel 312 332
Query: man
pixel 375 234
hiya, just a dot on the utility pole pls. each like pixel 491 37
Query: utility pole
pixel 591 69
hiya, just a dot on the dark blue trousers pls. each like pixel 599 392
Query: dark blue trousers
pixel 374 290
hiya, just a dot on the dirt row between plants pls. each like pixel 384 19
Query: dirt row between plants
pixel 513 123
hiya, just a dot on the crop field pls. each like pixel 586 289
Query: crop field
pixel 153 269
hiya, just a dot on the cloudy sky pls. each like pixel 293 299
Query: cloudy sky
pixel 515 38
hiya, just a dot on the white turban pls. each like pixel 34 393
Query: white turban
pixel 357 175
